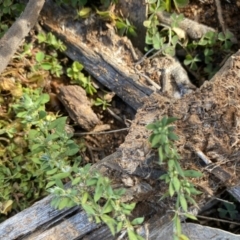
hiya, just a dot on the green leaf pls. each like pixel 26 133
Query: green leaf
pixel 183 237
pixel 111 223
pixel 91 182
pixel 183 202
pixel 194 191
pixel 192 173
pixel 50 184
pixel 85 197
pixel 176 184
pixel 44 98
pixel 177 223
pixel 51 172
pixel 61 175
pixel 156 140
pixel 171 189
pixel 129 206
pixel 89 210
pixel 40 56
pixel 191 200
pixel 98 192
pixel 84 12
pixel 41 37
pixel 132 235
pixel 107 207
pixel 46 65
pixel 137 221
pixel 59 183
pixel 63 203
pixel 181 3
pixel 172 136
pixel 119 226
pixel 191 216
pixel 58 124
pixel 76 181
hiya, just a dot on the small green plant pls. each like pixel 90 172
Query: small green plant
pixel 125 27
pixel 48 63
pixel 228 211
pixel 39 152
pixel 192 62
pixel 168 37
pixel 214 46
pixel 77 77
pixel 93 192
pixel 102 102
pixel 162 138
pixel 51 41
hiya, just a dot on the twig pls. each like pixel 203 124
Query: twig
pixel 217 219
pixel 193 29
pixel 77 134
pixel 115 116
pixel 220 17
pixel 149 80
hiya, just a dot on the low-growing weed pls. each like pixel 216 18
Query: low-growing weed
pixel 162 138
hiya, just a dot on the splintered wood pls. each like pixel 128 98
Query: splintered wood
pixel 208 126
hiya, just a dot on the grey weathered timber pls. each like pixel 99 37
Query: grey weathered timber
pixel 100 59
pixel 12 39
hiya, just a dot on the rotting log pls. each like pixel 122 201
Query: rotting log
pixel 106 56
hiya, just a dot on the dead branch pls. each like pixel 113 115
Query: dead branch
pixel 10 42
